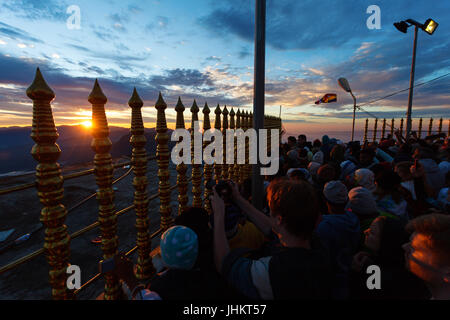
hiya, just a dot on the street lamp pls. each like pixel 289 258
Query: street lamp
pixel 429 27
pixel 346 86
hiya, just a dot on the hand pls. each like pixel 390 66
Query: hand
pixel 417 170
pixel 360 260
pixel 234 189
pixel 217 204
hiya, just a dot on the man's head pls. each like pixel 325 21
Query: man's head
pixel 293 208
pixel 292 142
pixel 362 202
pixel 301 140
pixel 366 157
pixel 428 252
pixel 336 195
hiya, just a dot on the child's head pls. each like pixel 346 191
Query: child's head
pixel 179 248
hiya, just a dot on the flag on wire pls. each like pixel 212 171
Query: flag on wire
pixel 329 97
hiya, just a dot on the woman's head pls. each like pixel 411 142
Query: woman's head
pixel 385 238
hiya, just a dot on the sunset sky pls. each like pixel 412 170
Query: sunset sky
pixel 203 49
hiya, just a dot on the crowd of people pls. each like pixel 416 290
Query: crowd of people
pixel 340 221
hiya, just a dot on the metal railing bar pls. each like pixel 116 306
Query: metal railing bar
pixel 74 235
pixel 66 177
pixel 98 275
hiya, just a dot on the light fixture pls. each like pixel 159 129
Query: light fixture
pixel 401 26
pixel 430 26
pixel 346 86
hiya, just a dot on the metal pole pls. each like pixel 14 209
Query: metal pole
pixel 258 95
pixel 411 84
pixel 354 113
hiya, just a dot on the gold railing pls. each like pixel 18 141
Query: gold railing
pixel 49 181
pixel 392 128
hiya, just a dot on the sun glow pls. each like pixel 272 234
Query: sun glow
pixel 87 124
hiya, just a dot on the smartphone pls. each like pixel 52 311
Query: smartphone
pixel 106 266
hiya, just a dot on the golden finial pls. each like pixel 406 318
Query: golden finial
pixel 97 96
pixel 135 101
pixel 39 89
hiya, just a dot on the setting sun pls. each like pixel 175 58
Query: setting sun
pixel 87 124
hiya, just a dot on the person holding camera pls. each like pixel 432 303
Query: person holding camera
pixel 299 269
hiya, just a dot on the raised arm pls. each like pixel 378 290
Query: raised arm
pixel 261 221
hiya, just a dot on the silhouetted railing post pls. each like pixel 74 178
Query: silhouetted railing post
pixel 217 125
pixel 401 126
pixel 249 126
pixel 419 134
pixel 244 168
pixel 207 168
pixel 144 267
pixel 181 167
pixel 103 168
pixel 365 130
pixel 196 168
pixel 231 167
pixel 440 126
pixel 383 129
pixel 237 167
pixel 375 130
pixel 49 183
pixel 224 132
pixel 162 156
pixel 392 127
pixel 430 127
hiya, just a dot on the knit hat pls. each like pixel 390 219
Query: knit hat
pixel 179 247
pixel 365 178
pixel 361 201
pixel 313 167
pixel 335 192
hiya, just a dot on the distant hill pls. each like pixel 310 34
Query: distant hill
pixel 74 141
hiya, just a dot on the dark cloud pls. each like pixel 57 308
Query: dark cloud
pixel 16 33
pixel 312 24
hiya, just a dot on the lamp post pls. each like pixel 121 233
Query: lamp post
pixel 258 95
pixel 429 27
pixel 346 86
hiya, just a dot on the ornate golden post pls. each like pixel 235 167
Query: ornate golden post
pixel 162 158
pixel 181 168
pixel 365 130
pixel 144 267
pixel 244 171
pixel 383 129
pixel 231 167
pixel 401 126
pixel 392 127
pixel 224 132
pixel 440 126
pixel 419 134
pixel 49 184
pixel 103 168
pixel 430 127
pixel 207 168
pixel 196 168
pixel 237 167
pixel 375 130
pixel 249 126
pixel 217 166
